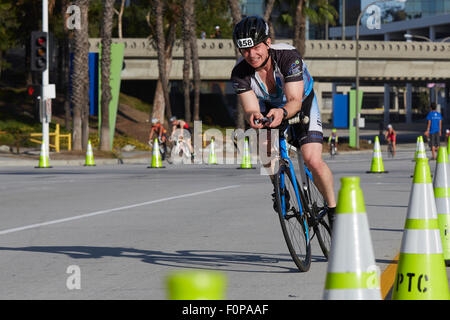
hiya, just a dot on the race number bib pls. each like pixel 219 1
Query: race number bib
pixel 245 43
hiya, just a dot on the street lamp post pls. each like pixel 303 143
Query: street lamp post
pixel 357 65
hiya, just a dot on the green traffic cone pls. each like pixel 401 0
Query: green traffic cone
pixel 89 155
pixel 351 274
pixel 156 156
pixel 441 188
pixel 246 159
pixel 377 160
pixel 196 285
pixel 421 273
pixel 43 157
pixel 212 153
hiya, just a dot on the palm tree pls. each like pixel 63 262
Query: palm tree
pixel 318 11
pixel 80 77
pixel 119 18
pixel 160 44
pixel 106 35
pixel 172 15
pixel 195 64
pixel 187 16
pixel 236 15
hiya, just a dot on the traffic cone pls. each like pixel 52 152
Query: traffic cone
pixel 420 149
pixel 421 273
pixel 448 148
pixel 43 157
pixel 196 285
pixel 212 153
pixel 377 159
pixel 89 155
pixel 246 160
pixel 441 188
pixel 156 156
pixel 352 273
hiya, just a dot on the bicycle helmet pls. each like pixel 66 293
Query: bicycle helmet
pixel 250 31
pixel 155 120
pixel 172 119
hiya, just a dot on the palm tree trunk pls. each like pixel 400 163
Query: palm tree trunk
pixel 267 17
pixel 161 44
pixel 195 64
pixel 237 16
pixel 106 35
pixel 119 19
pixel 80 97
pixel 187 5
pixel 299 28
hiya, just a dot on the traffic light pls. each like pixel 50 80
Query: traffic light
pixel 34 90
pixel 39 45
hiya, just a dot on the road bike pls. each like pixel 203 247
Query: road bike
pixel 180 152
pixel 332 149
pixel 390 149
pixel 301 208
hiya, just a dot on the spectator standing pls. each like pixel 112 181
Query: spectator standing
pixel 218 34
pixel 434 129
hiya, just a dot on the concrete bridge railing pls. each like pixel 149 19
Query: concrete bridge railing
pixel 332 59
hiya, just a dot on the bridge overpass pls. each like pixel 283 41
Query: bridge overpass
pixel 330 61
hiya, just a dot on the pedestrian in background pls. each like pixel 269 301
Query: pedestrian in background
pixel 203 35
pixel 434 129
pixel 218 34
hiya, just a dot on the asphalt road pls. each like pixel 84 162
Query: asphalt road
pixel 123 228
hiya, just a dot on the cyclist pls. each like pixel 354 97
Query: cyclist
pixel 333 140
pixel 272 80
pixel 159 131
pixel 181 124
pixel 434 129
pixel 391 137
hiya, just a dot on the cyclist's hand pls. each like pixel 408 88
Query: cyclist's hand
pixel 253 117
pixel 277 116
pixel 150 143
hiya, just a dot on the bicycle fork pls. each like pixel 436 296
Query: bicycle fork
pixel 283 154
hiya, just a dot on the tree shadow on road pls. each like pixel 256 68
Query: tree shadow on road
pixel 198 259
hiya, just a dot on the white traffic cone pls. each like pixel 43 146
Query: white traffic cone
pixel 441 188
pixel 421 273
pixel 352 273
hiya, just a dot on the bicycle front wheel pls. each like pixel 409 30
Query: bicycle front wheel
pixel 319 213
pixel 293 223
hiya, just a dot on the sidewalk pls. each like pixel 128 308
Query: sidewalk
pixel 406 140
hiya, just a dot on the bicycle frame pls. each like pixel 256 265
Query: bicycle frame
pixel 285 156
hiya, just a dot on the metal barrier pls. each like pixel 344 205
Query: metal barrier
pixel 58 136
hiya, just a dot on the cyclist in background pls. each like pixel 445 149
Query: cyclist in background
pixel 159 131
pixel 333 140
pixel 273 81
pixel 181 124
pixel 391 137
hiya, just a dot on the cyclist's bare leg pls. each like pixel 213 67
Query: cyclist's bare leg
pixel 323 178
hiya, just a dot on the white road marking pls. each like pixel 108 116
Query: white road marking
pixel 96 213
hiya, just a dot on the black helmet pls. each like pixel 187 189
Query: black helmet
pixel 250 31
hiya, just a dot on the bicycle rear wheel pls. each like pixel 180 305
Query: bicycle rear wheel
pixel 319 213
pixel 293 223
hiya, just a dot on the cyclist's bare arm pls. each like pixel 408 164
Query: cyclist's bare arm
pixel 294 94
pixel 250 104
pixel 152 131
